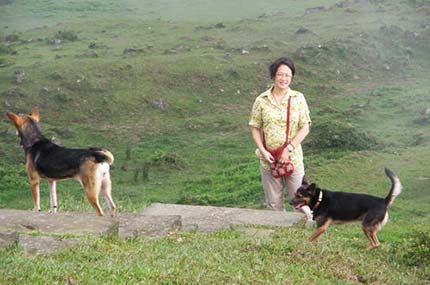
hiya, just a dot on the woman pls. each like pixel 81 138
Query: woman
pixel 268 122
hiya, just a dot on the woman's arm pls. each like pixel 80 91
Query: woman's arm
pixel 256 135
pixel 300 136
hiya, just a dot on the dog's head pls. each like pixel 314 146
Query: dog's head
pixel 27 127
pixel 304 195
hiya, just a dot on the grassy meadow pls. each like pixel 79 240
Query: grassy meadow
pixel 168 86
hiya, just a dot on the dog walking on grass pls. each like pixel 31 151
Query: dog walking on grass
pixel 340 207
pixel 45 159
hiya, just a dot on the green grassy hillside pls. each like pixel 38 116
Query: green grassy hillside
pixel 167 86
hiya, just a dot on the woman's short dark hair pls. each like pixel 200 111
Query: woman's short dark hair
pixel 281 61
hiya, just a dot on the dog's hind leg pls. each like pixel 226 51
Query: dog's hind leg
pixel 92 184
pixel 371 235
pixel 91 180
pixel 106 189
pixel 375 240
pixel 52 185
pixel 92 193
pixel 372 223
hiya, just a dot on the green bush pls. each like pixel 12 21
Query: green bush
pixel 340 136
pixel 417 250
pixel 6 49
pixel 166 159
pixel 66 36
pixel 413 251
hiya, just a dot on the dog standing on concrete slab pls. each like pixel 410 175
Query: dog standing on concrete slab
pixel 45 159
pixel 340 207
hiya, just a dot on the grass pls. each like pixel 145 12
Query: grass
pixel 225 257
pixel 363 66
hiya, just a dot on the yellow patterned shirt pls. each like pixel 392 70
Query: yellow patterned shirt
pixel 271 118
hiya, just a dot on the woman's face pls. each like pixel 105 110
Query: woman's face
pixel 283 77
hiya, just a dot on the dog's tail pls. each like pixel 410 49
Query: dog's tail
pixel 396 187
pixel 103 155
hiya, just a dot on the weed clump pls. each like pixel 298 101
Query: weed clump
pixel 11 38
pixel 219 26
pixel 341 136
pixel 414 251
pixel 166 159
pixel 418 252
pixel 66 36
pixel 4 49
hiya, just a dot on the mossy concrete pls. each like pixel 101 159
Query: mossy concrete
pixel 207 218
pixel 43 233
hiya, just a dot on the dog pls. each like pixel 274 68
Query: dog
pixel 340 207
pixel 45 159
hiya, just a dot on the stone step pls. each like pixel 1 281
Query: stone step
pixel 38 232
pixel 208 218
pixel 68 223
pixel 131 226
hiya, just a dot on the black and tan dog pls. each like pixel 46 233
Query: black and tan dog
pixel 340 207
pixel 45 159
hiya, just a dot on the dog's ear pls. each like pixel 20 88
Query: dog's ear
pixel 312 188
pixel 35 113
pixel 305 181
pixel 16 120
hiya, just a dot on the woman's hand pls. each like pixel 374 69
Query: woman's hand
pixel 256 135
pixel 285 156
pixel 267 156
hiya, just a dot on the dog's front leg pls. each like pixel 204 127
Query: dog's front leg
pixel 34 179
pixel 322 226
pixel 52 185
pixel 35 191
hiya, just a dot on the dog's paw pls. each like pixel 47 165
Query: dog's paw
pixel 372 247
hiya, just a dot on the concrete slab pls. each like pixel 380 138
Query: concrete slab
pixel 51 230
pixel 147 226
pixel 8 234
pixel 45 233
pixel 34 245
pixel 73 223
pixel 208 218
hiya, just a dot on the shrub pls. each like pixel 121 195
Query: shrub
pixel 414 251
pixel 166 159
pixel 66 35
pixel 6 49
pixel 11 38
pixel 340 135
pixel 417 250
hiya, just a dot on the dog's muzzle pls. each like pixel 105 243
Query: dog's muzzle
pixel 296 204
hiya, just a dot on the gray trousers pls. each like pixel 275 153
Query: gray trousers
pixel 274 189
